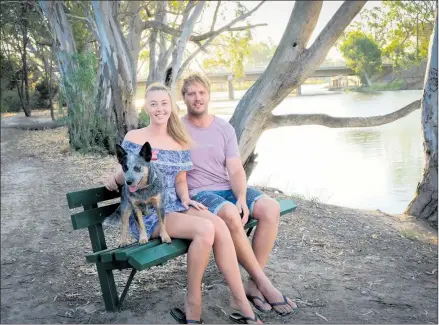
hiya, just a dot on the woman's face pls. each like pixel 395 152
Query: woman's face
pixel 158 106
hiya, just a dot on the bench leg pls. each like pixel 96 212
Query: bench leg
pixel 249 231
pixel 127 286
pixel 108 287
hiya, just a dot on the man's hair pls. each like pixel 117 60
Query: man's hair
pixel 194 78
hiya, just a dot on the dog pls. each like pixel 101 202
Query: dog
pixel 143 188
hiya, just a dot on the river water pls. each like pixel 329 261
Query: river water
pixel 370 168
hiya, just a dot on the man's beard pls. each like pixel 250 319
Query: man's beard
pixel 194 112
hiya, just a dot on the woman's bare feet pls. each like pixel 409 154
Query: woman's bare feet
pixel 192 307
pixel 256 297
pixel 281 304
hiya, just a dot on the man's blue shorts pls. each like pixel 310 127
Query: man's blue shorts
pixel 214 200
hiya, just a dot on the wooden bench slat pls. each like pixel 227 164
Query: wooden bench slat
pixel 158 255
pixel 286 206
pixel 122 254
pixel 92 217
pixel 90 196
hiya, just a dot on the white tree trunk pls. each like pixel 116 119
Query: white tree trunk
pixel 291 65
pixel 177 55
pixel 117 69
pixel 62 35
pixel 424 205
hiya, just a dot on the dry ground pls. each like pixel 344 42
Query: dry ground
pixel 341 265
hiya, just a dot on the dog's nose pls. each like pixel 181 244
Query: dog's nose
pixel 129 182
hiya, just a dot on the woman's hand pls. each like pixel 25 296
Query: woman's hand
pixel 111 183
pixel 197 205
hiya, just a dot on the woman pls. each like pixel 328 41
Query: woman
pixel 168 138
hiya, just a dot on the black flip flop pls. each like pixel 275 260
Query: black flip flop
pixel 241 319
pixel 283 303
pixel 252 298
pixel 180 317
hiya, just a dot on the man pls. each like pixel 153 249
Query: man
pixel 218 181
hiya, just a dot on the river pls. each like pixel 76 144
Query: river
pixel 368 168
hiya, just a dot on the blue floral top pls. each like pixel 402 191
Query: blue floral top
pixel 170 163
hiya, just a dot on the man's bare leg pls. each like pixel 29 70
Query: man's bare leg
pixel 246 257
pixel 267 212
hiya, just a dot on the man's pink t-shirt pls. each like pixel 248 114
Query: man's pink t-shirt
pixel 212 146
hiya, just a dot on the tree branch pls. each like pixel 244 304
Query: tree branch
pixel 227 28
pixel 333 29
pixel 215 16
pixel 340 122
pixel 77 17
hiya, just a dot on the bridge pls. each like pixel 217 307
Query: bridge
pixel 252 74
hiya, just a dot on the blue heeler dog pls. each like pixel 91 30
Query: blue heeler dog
pixel 143 188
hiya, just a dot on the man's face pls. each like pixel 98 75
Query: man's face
pixel 196 99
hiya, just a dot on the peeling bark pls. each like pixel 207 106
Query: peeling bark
pixel 424 204
pixel 117 69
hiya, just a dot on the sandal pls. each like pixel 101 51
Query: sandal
pixel 252 301
pixel 283 303
pixel 180 317
pixel 241 319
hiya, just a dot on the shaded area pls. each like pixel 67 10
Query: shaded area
pixel 343 265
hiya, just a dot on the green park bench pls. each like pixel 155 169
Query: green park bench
pixel 135 257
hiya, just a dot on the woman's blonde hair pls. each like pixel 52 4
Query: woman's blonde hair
pixel 175 126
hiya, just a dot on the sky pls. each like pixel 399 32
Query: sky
pixel 276 15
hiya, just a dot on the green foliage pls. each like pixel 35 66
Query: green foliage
pixel 9 67
pixel 42 93
pixel 233 49
pixel 88 130
pixel 362 54
pixel 402 29
pixel 80 30
pixel 10 101
pixel 143 119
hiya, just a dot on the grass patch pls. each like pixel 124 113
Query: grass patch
pixel 397 84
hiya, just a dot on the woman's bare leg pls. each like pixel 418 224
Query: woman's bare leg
pixel 224 249
pixel 202 233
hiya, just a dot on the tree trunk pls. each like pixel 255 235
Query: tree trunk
pixel 117 70
pixel 134 30
pixel 291 65
pixel 424 204
pixel 24 22
pixel 177 54
pixel 52 113
pixel 64 42
pixel 65 46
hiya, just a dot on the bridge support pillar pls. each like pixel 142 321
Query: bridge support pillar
pixel 230 87
pixel 299 90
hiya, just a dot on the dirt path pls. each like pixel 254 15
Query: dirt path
pixel 342 265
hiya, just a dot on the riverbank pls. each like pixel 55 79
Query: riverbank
pixel 341 265
pixel 389 86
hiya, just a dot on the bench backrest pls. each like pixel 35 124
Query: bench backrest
pixel 93 215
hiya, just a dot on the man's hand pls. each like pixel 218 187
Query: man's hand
pixel 243 210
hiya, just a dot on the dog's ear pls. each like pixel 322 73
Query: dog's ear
pixel 120 153
pixel 146 152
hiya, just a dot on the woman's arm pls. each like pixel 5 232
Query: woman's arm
pixel 181 187
pixel 183 192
